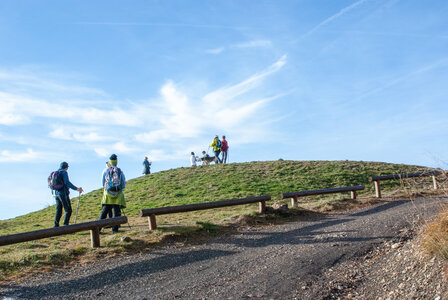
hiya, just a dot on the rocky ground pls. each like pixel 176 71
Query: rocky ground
pixel 397 269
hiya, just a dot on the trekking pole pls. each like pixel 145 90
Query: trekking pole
pixel 77 207
pixel 124 214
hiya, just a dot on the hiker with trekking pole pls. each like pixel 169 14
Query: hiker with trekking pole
pixel 224 149
pixel 113 183
pixel 60 185
pixel 216 144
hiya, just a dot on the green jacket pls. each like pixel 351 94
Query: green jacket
pixel 110 199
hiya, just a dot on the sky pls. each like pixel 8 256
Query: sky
pixel 354 80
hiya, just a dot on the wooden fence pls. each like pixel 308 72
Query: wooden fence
pixel 295 195
pixel 152 212
pixel 376 179
pixel 93 226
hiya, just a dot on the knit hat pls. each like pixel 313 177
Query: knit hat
pixel 63 165
pixel 113 159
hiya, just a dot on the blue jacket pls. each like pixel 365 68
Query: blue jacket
pixel 67 184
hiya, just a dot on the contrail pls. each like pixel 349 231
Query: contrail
pixel 161 25
pixel 333 17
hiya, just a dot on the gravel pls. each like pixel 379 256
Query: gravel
pixel 363 254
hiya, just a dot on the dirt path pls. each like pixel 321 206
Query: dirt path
pixel 289 261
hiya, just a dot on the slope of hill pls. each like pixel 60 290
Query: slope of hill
pixel 189 185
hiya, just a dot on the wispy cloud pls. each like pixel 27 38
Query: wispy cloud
pixel 174 116
pixel 215 51
pixel 392 82
pixel 119 147
pixel 254 44
pixel 16 109
pixel 334 17
pixel 243 45
pixel 185 25
pixel 182 117
pixel 25 80
pixel 8 156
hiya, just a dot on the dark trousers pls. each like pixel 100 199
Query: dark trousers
pixel 62 201
pixel 217 159
pixel 107 210
pixel 224 156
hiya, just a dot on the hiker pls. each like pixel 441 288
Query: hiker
pixel 224 148
pixel 216 144
pixel 206 159
pixel 62 196
pixel 146 166
pixel 193 159
pixel 110 214
pixel 113 183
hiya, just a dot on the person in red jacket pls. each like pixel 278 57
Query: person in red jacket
pixel 224 148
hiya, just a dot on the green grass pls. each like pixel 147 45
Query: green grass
pixel 186 186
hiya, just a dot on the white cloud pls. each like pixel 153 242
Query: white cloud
pixel 119 147
pixel 79 133
pixel 15 110
pixel 90 137
pixel 225 94
pixel 7 156
pixel 175 118
pixel 183 117
pixel 254 44
pixel 26 79
pixel 215 51
pixel 244 45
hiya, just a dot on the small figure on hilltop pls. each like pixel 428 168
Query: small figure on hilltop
pixel 206 159
pixel 216 144
pixel 146 166
pixel 193 159
pixel 224 149
pixel 61 185
pixel 113 182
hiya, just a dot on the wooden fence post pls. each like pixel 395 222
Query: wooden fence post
pixel 377 188
pixel 353 194
pixel 152 222
pixel 434 180
pixel 95 237
pixel 293 201
pixel 261 207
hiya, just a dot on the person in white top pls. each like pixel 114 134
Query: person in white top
pixel 193 159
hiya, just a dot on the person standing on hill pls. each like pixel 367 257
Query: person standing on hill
pixel 113 182
pixel 193 159
pixel 224 148
pixel 146 166
pixel 62 195
pixel 216 144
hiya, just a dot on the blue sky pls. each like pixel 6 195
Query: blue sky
pixel 299 80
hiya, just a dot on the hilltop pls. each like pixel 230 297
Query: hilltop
pixel 193 185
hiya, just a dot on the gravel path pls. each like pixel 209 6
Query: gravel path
pixel 277 262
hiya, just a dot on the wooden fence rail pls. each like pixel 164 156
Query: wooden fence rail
pixel 376 179
pixel 295 195
pixel 152 212
pixel 93 226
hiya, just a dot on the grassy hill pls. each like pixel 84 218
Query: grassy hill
pixel 184 186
